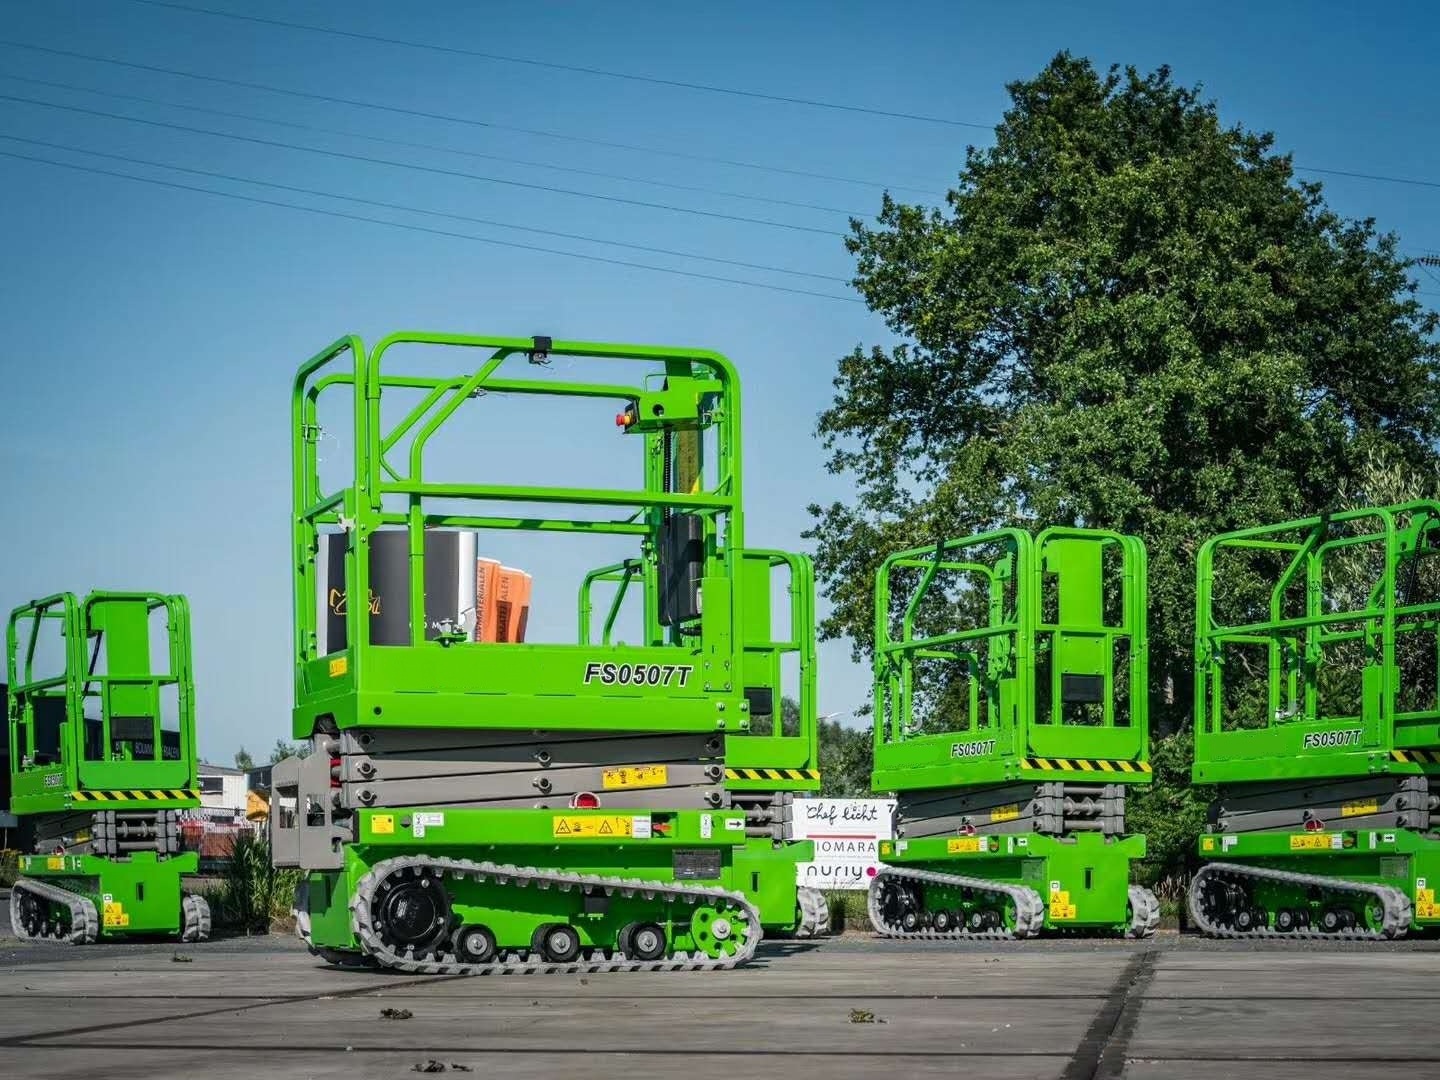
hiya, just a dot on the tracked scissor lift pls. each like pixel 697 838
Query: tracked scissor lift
pixel 102 763
pixel 1316 714
pixel 1011 719
pixel 489 807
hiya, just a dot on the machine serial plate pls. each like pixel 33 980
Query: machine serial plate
pixel 634 776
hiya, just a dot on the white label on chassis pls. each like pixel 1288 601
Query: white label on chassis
pixel 611 674
pixel 1315 740
pixel 972 749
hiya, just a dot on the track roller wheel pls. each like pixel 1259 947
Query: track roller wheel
pixel 978 921
pixel 413 910
pixel 1287 920
pixel 31 916
pixel 942 921
pixel 1334 919
pixel 1226 899
pixel 719 930
pixel 1248 919
pixel 474 945
pixel 910 921
pixel 1374 916
pixel 896 901
pixel 642 941
pixel 559 943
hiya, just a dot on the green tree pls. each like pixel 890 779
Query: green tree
pixel 846 754
pixel 243 760
pixel 846 760
pixel 1171 812
pixel 1128 315
pixel 789 716
pixel 283 749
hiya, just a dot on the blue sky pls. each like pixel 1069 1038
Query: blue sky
pixel 151 333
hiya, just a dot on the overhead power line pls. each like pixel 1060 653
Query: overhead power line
pixel 421 210
pixel 455 50
pixel 92 170
pixel 432 169
pixel 633 148
pixel 115 94
pixel 424 229
pixel 552 65
pixel 1424 261
pixel 1370 176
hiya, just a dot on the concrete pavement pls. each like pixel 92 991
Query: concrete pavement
pixel 849 1007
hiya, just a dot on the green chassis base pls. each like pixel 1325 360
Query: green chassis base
pixel 1084 880
pixel 766 874
pixel 137 895
pixel 1407 860
pixel 550 839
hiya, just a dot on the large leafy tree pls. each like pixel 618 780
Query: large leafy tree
pixel 846 761
pixel 1128 315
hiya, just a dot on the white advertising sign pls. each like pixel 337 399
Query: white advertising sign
pixel 846 833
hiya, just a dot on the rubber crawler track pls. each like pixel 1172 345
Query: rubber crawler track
pixel 743 915
pixel 84 925
pixel 1029 910
pixel 1144 908
pixel 84 922
pixel 1395 906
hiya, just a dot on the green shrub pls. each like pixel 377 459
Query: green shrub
pixel 9 868
pixel 847 910
pixel 252 893
pixel 1171 812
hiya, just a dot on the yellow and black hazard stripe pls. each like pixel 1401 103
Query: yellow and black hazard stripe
pixel 1054 764
pixel 772 774
pixel 1416 757
pixel 136 795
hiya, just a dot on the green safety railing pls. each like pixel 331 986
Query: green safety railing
pixel 1322 584
pixel 129 689
pixel 1070 684
pixel 682 394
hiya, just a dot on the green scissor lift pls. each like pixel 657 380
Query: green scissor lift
pixel 102 760
pixel 1010 718
pixel 1316 714
pixel 484 807
pixel 778 756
